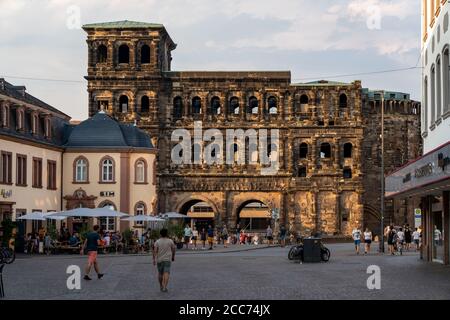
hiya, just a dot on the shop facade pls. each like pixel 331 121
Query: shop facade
pixel 427 179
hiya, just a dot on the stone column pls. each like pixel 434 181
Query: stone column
pixel 337 153
pixel 281 108
pixel 290 102
pixel 313 154
pixel 110 59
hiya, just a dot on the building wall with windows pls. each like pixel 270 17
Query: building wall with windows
pixel 115 168
pixel 436 73
pixel 50 164
pixel 30 153
pixel 318 186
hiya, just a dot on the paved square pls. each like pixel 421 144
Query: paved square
pixel 254 274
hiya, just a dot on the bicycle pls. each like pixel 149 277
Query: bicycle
pixel 296 252
pixel 7 255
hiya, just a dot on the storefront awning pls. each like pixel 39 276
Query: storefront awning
pixel 255 213
pixel 428 173
pixel 201 215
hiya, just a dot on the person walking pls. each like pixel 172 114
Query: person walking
pixel 400 240
pixel 283 236
pixel 210 233
pixel 163 256
pixel 194 237
pixel 91 246
pixel 238 233
pixel 408 237
pixel 269 235
pixel 416 238
pixel 390 239
pixel 203 238
pixel 225 236
pixel 187 235
pixel 367 240
pixel 356 234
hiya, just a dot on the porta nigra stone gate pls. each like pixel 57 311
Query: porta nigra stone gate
pixel 318 186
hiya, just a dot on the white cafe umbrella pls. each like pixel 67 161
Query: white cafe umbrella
pixel 173 215
pixel 143 218
pixel 90 213
pixel 39 216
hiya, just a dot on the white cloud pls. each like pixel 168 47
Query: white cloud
pixel 36 42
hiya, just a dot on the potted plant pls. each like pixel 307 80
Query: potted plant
pixel 176 232
pixel 127 237
pixel 8 227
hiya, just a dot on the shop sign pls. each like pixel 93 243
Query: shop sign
pixel 431 168
pixel 6 193
pixel 424 171
pixel 417 218
pixel 106 193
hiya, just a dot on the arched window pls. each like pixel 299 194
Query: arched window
pixel 303 150
pixel 347 173
pixel 446 80
pixel 20 115
pixel 235 152
pixel 253 105
pixel 325 151
pixel 102 53
pixel 348 148
pixel 140 168
pixel 215 105
pixel 272 104
pixel 145 104
pixel 34 123
pixel 107 170
pixel 107 223
pixel 343 100
pixel 140 210
pixel 177 108
pixel 145 54
pixel 124 54
pixel 5 115
pixel 425 106
pixel 304 99
pixel 48 128
pixel 438 88
pixel 234 105
pixel 196 105
pixel 302 172
pixel 81 173
pixel 433 94
pixel 123 102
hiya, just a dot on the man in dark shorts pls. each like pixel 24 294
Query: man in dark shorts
pixel 163 256
pixel 210 237
pixel 91 246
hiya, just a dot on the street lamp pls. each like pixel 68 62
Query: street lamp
pixel 382 174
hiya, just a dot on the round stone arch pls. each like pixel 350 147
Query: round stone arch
pixel 195 199
pixel 239 205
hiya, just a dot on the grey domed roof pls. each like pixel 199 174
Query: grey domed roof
pixel 102 131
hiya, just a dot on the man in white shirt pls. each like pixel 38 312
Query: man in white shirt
pixel 356 234
pixel 416 238
pixel 163 256
pixel 187 235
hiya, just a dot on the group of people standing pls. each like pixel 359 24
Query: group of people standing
pixel 204 235
pixel 398 239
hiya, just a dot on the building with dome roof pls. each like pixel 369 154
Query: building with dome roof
pixel 49 163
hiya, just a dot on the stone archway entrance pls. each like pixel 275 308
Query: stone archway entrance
pixel 254 216
pixel 201 214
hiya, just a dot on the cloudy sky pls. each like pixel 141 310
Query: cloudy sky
pixel 313 39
